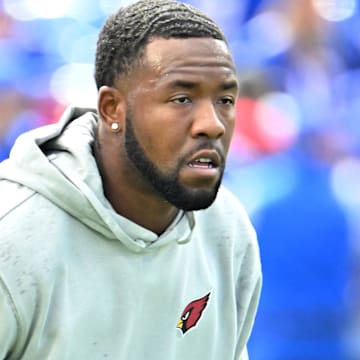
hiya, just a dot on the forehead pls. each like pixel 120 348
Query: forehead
pixel 191 57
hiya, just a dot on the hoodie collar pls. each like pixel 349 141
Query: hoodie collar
pixel 44 160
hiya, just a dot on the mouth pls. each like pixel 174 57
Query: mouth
pixel 205 159
pixel 202 163
pixel 203 169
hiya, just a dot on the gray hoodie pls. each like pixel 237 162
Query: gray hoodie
pixel 80 282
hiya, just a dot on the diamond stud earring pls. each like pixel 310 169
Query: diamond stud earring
pixel 115 127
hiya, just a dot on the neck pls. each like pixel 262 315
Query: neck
pixel 130 197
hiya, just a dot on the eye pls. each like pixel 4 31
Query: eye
pixel 227 100
pixel 185 316
pixel 181 100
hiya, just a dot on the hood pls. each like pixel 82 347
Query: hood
pixel 57 162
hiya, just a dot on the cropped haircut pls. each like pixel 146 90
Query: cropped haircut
pixel 124 36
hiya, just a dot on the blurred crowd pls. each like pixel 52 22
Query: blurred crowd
pixel 294 160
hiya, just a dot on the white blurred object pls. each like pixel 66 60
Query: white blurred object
pixel 271 33
pixel 27 10
pixel 110 6
pixel 73 84
pixel 345 181
pixel 77 43
pixel 335 10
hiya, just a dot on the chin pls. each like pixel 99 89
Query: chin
pixel 194 199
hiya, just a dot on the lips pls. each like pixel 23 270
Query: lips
pixel 205 159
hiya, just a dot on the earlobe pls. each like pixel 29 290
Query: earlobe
pixel 111 108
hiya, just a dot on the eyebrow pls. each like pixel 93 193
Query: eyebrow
pixel 182 84
pixel 228 85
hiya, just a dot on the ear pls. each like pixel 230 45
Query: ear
pixel 111 107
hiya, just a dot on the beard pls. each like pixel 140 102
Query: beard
pixel 167 185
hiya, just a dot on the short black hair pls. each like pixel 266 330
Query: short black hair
pixel 123 38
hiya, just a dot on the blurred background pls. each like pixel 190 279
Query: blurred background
pixel 294 161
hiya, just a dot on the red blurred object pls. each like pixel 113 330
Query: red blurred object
pixel 6 25
pixel 250 133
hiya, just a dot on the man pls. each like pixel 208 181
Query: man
pixel 112 243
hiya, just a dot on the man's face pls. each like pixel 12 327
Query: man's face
pixel 180 119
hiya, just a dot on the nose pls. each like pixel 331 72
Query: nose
pixel 207 122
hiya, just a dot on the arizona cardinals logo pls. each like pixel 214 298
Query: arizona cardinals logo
pixel 192 313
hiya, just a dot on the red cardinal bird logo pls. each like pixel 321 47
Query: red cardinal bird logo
pixel 192 313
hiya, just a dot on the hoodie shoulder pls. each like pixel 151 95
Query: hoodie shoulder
pixel 227 205
pixel 228 222
pixel 12 195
